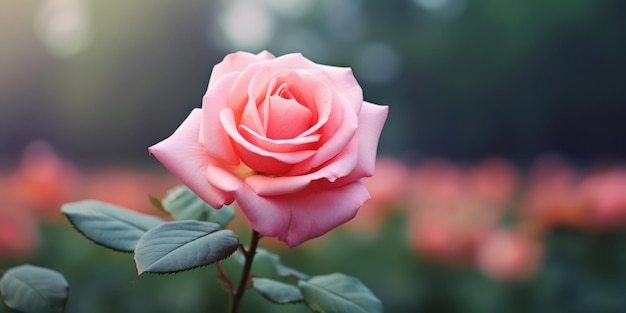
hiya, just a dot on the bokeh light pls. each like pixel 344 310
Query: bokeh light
pixel 64 26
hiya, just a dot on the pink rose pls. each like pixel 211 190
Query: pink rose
pixel 286 138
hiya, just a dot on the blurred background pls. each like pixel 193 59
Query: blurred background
pixel 501 185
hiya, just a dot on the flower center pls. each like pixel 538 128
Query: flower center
pixel 283 116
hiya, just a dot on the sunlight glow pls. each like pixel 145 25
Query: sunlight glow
pixel 64 27
pixel 247 25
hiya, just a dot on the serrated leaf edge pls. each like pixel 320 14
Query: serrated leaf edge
pixel 140 272
pixel 100 243
pixel 363 310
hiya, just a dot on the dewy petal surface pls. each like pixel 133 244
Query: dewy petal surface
pixel 185 157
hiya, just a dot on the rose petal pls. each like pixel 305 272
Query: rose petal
pixel 236 62
pixel 258 92
pixel 258 82
pixel 186 158
pixel 343 80
pixel 371 121
pixel 279 145
pixel 211 133
pixel 304 215
pixel 345 124
pixel 312 90
pixel 345 83
pixel 223 179
pixel 340 166
pixel 227 119
pixel 287 118
pixel 250 88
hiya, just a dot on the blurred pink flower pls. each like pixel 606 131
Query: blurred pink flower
pixel 44 181
pixel 494 180
pixel 507 254
pixel 18 232
pixel 552 196
pixel 449 233
pixel 435 181
pixel 605 193
pixel 128 187
pixel 452 209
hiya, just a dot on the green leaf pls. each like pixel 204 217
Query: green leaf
pixel 281 270
pixel 109 225
pixel 33 289
pixel 338 293
pixel 182 245
pixel 277 292
pixel 279 267
pixel 285 271
pixel 183 204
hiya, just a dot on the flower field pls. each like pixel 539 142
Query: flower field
pixel 435 237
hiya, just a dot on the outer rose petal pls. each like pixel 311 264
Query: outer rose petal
pixel 301 216
pixel 371 121
pixel 297 217
pixel 345 83
pixel 212 134
pixel 236 62
pixel 186 158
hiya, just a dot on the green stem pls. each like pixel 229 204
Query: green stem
pixel 243 282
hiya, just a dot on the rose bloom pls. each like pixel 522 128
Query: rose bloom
pixel 287 138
